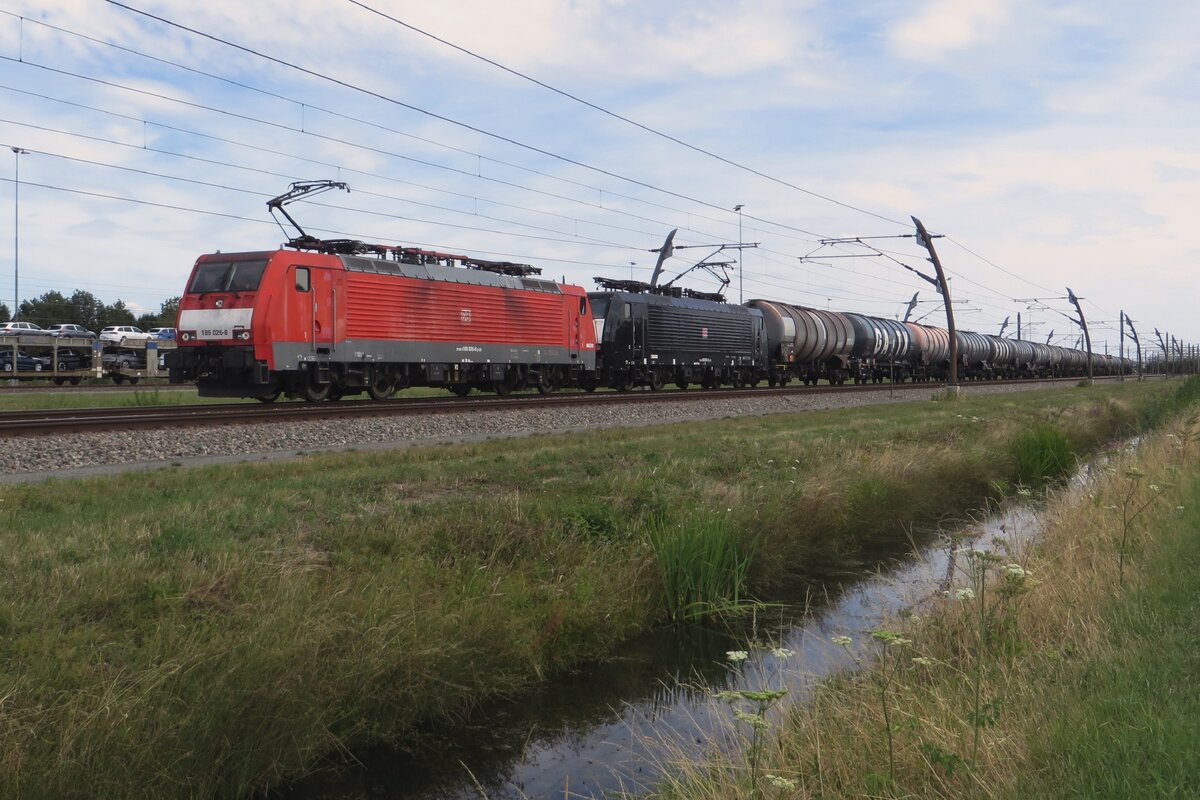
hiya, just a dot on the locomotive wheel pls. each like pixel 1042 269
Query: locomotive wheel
pixel 461 389
pixel 315 392
pixel 381 386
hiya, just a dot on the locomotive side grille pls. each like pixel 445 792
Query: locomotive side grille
pixel 413 310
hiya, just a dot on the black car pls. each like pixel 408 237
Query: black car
pixel 124 359
pixel 67 360
pixel 25 362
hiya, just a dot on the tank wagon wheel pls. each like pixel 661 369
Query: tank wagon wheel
pixel 655 382
pixel 269 398
pixel 381 386
pixel 683 385
pixel 502 388
pixel 460 389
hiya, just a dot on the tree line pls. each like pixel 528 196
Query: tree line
pixel 84 308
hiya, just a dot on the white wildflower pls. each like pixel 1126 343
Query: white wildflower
pixel 1016 570
pixel 844 641
pixel 966 593
pixel 737 655
pixel 780 783
pixel 923 661
pixel 783 652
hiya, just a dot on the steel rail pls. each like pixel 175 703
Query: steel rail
pixel 49 421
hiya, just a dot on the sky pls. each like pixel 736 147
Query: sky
pixel 1048 144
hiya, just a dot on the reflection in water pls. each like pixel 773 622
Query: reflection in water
pixel 607 729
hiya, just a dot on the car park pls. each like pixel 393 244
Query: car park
pixel 25 362
pixel 69 330
pixel 120 334
pixel 161 333
pixel 20 329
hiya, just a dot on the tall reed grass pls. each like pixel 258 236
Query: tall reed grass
pixel 703 562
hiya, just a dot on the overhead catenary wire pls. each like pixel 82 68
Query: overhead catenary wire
pixel 431 114
pixel 625 119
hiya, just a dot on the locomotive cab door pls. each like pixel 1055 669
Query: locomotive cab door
pixel 311 310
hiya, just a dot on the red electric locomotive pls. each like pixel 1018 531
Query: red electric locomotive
pixel 331 318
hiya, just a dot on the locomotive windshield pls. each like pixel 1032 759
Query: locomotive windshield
pixel 599 306
pixel 227 276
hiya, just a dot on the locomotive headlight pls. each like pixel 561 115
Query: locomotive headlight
pixel 187 336
pixel 242 335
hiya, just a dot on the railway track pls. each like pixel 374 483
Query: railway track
pixel 31 423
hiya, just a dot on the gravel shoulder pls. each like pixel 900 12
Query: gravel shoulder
pixel 80 455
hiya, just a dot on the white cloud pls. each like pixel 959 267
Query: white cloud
pixel 948 27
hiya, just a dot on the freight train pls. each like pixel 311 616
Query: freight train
pixel 322 319
pixel 321 324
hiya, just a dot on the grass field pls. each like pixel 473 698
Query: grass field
pixel 207 632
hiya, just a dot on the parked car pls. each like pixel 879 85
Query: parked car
pixel 25 362
pixel 124 359
pixel 120 334
pixel 66 360
pixel 69 330
pixel 20 329
pixel 161 333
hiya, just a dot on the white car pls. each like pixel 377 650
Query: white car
pixel 120 334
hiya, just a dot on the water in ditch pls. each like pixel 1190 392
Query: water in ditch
pixel 610 728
